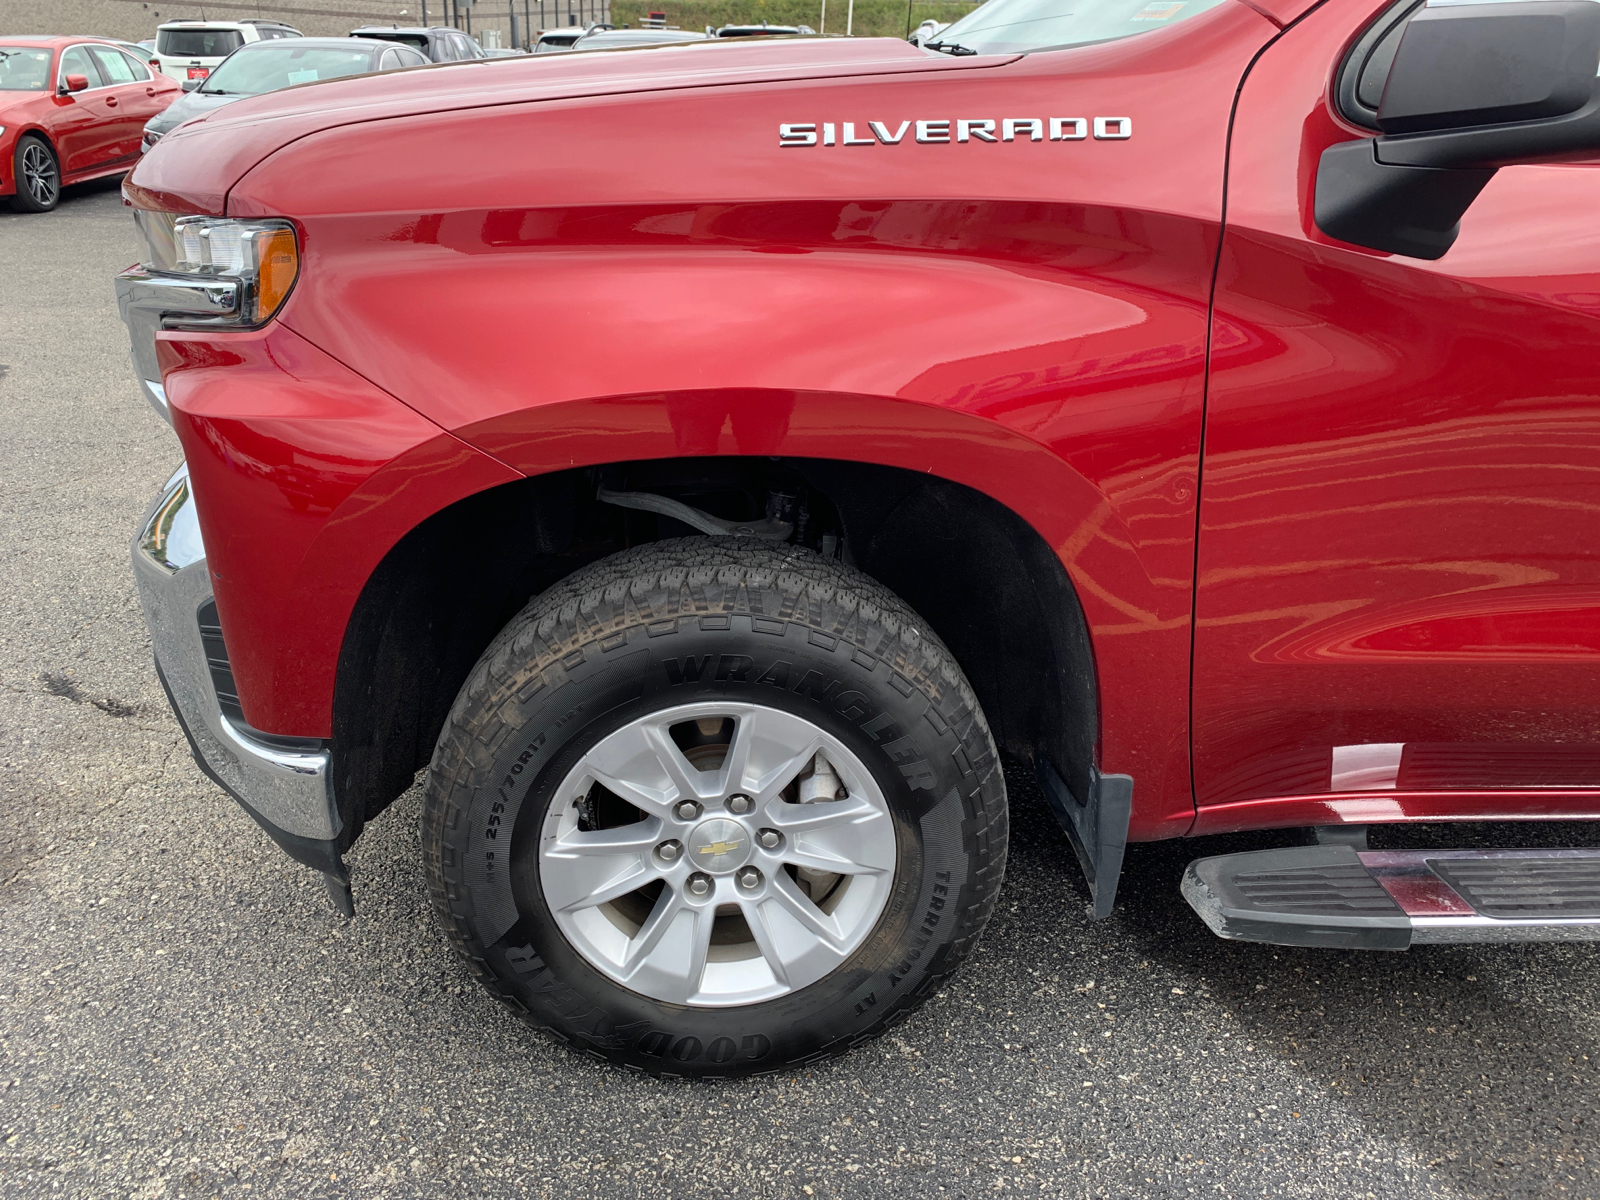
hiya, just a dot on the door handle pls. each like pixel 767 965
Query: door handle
pixel 149 91
pixel 111 101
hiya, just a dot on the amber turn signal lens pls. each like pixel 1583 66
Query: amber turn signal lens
pixel 278 262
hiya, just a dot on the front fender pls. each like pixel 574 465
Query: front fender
pixel 304 476
pixel 1048 355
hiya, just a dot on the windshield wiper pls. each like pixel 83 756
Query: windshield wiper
pixel 948 48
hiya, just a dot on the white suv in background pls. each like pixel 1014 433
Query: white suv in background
pixel 189 49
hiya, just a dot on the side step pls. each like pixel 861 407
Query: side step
pixel 1343 898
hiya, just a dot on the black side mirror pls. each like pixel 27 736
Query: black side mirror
pixel 1474 87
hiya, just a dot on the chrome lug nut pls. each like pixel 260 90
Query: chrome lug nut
pixel 749 878
pixel 739 803
pixel 669 851
pixel 686 810
pixel 699 885
pixel 769 839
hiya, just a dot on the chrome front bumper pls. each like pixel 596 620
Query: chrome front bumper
pixel 148 300
pixel 283 783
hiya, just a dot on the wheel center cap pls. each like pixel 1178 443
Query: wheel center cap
pixel 719 845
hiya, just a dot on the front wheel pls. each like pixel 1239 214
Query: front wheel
pixel 710 807
pixel 38 175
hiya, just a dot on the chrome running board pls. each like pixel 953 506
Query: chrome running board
pixel 1343 898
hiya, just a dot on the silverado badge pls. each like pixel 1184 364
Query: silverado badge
pixel 968 129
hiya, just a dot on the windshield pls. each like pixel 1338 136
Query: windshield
pixel 1018 26
pixel 24 69
pixel 254 71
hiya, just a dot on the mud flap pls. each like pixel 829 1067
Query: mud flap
pixel 1098 829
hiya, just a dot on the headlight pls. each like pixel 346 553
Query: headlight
pixel 259 259
pixel 150 138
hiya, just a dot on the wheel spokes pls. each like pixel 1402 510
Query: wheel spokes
pixel 768 751
pixel 822 815
pixel 620 839
pixel 767 939
pixel 655 802
pixel 628 763
pixel 589 868
pixel 644 943
pixel 824 858
pixel 786 895
pixel 690 782
pixel 842 837
pixel 671 948
pixel 699 949
pixel 643 765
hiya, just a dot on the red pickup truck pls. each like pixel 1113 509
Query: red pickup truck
pixel 709 461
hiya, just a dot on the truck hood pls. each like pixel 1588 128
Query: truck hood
pixel 192 169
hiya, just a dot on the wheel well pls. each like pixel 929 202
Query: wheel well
pixel 981 577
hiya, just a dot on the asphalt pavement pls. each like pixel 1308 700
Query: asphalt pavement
pixel 183 1015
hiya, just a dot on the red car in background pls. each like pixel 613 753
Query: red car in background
pixel 71 109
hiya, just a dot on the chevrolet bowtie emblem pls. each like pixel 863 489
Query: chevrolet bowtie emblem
pixel 720 847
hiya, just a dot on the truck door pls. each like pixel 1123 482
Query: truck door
pixel 1398 588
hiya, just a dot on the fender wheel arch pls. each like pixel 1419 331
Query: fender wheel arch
pixel 976 573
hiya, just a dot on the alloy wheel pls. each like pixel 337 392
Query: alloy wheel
pixel 40 174
pixel 717 854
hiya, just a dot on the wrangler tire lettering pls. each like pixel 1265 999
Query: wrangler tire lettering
pixel 686 670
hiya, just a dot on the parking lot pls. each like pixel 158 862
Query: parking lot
pixel 183 1015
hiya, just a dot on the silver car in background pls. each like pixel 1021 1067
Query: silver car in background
pixel 617 39
pixel 560 40
pixel 261 67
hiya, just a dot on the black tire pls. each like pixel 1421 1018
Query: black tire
pixel 34 152
pixel 604 647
